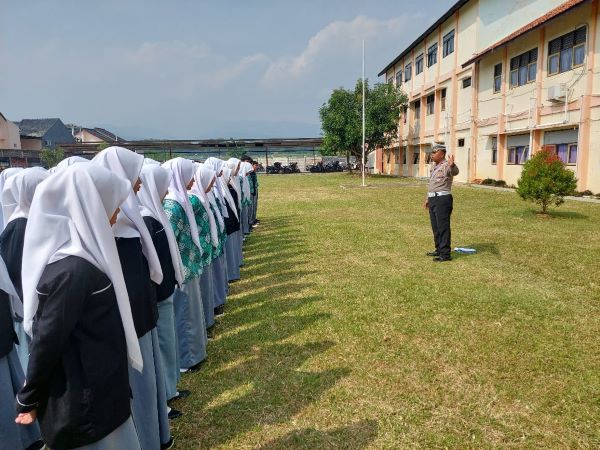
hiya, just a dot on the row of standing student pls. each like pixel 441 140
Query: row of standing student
pixel 112 271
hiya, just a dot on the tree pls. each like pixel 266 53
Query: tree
pixel 51 157
pixel 545 180
pixel 341 118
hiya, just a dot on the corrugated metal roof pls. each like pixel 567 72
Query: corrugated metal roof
pixel 566 6
pixel 35 128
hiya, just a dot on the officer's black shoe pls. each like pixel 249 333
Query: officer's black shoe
pixel 432 254
pixel 167 445
pixel 442 259
pixel 174 414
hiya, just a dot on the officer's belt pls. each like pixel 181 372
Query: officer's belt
pixel 438 194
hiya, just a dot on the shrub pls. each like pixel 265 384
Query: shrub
pixel 577 194
pixel 488 181
pixel 545 180
pixel 587 192
pixel 500 183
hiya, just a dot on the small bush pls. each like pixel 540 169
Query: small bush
pixel 577 194
pixel 488 181
pixel 500 183
pixel 587 192
pixel 545 180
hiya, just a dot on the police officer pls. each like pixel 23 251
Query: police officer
pixel 439 201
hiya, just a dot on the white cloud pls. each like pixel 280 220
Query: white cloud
pixel 339 39
pixel 153 53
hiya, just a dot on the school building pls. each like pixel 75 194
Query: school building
pixel 497 81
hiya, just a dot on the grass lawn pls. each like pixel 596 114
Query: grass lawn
pixel 342 334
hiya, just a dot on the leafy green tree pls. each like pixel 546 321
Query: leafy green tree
pixel 51 157
pixel 341 118
pixel 102 146
pixel 236 152
pixel 545 180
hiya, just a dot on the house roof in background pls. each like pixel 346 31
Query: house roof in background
pixel 36 128
pixel 104 134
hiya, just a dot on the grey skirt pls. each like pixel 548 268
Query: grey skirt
pixel 219 282
pixel 191 328
pixel 232 255
pixel 207 290
pixel 124 437
pixel 12 435
pixel 167 339
pixel 149 405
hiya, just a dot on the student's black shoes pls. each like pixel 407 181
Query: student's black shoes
pixel 167 445
pixel 442 259
pixel 432 254
pixel 174 414
pixel 219 310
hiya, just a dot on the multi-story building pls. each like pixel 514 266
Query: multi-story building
pixel 498 81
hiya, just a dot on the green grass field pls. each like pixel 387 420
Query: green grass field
pixel 342 334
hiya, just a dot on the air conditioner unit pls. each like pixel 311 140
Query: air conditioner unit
pixel 557 93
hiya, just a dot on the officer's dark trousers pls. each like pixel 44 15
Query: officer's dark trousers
pixel 440 209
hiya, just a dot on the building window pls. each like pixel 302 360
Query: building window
pixel 398 78
pixel 443 100
pixel 430 104
pixel 567 51
pixel 419 64
pixel 461 142
pixel 523 68
pixel 404 114
pixel 448 44
pixel 416 157
pixel 390 79
pixel 518 154
pixel 404 152
pixel 432 55
pixel 417 108
pixel 407 72
pixel 494 150
pixel 466 82
pixel 497 78
pixel 566 152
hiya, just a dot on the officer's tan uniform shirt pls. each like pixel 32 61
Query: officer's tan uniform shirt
pixel 442 176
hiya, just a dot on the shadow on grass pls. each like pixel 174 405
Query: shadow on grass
pixel 567 215
pixel 484 247
pixel 354 436
pixel 552 214
pixel 254 376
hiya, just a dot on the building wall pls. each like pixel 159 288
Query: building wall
pixel 478 116
pixel 31 143
pixel 9 135
pixel 86 137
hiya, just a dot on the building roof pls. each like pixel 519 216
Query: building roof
pixel 35 128
pixel 566 6
pixel 105 135
pixel 459 4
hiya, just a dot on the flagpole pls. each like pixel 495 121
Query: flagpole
pixel 363 113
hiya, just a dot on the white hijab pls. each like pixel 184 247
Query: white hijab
pixel 150 161
pixel 155 183
pixel 69 162
pixel 4 176
pixel 223 182
pixel 234 165
pixel 182 172
pixel 245 169
pixel 128 165
pixel 18 192
pixel 218 165
pixel 70 217
pixel 203 176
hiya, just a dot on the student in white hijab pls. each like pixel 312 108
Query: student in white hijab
pixel 219 265
pixel 232 226
pixel 155 184
pixel 187 300
pixel 141 267
pixel 77 309
pixel 245 169
pixel 4 176
pixel 235 190
pixel 12 378
pixel 17 195
pixel 209 237
pixel 68 162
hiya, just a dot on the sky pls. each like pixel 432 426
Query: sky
pixel 183 69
